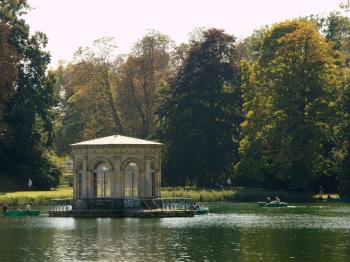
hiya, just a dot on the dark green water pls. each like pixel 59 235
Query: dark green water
pixel 235 232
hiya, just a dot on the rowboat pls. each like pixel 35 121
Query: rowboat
pixel 20 213
pixel 272 204
pixel 201 211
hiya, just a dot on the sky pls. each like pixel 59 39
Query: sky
pixel 70 24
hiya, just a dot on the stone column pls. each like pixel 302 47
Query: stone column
pixel 74 179
pixel 75 189
pixel 159 179
pixel 148 178
pixel 116 180
pixel 89 184
pixel 85 178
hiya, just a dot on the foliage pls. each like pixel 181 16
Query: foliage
pixel 199 113
pixel 250 47
pixel 85 112
pixel 288 103
pixel 199 194
pixel 292 132
pixel 30 101
pixel 8 78
pixel 237 194
pixel 88 101
pixel 336 28
pixel 103 94
pixel 343 135
pixel 143 74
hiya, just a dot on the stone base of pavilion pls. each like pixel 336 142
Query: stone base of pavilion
pixel 122 213
pixel 141 208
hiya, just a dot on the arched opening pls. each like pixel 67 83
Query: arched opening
pixel 101 182
pixel 131 185
pixel 79 180
pixel 153 179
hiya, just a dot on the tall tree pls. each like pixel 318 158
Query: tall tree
pixel 100 62
pixel 142 75
pixel 342 135
pixel 8 69
pixel 336 28
pixel 199 113
pixel 88 106
pixel 288 100
pixel 29 111
pixel 8 79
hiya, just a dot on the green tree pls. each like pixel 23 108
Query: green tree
pixel 30 110
pixel 336 28
pixel 8 79
pixel 288 103
pixel 100 61
pixel 145 71
pixel 88 107
pixel 250 47
pixel 342 135
pixel 199 113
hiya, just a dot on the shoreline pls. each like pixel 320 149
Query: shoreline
pixel 232 194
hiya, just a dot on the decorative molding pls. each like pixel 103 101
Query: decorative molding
pixel 138 162
pixel 98 160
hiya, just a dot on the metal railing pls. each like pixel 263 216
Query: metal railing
pixel 121 203
pixel 62 204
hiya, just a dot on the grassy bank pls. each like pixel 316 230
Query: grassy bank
pixel 35 197
pixel 197 194
pixel 235 194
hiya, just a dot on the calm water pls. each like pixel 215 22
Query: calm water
pixel 234 232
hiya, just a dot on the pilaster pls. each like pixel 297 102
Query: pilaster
pixel 159 180
pixel 116 180
pixel 85 178
pixel 148 178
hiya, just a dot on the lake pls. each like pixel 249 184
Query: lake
pixel 234 232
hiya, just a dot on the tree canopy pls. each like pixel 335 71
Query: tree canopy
pixel 27 101
pixel 269 110
pixel 199 113
pixel 288 104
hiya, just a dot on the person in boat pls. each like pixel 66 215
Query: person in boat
pixel 28 207
pixel 4 207
pixel 268 199
pixel 195 206
pixel 276 200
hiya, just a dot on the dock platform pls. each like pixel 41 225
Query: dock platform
pixel 139 208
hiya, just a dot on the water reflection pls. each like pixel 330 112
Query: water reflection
pixel 240 232
pixel 294 221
